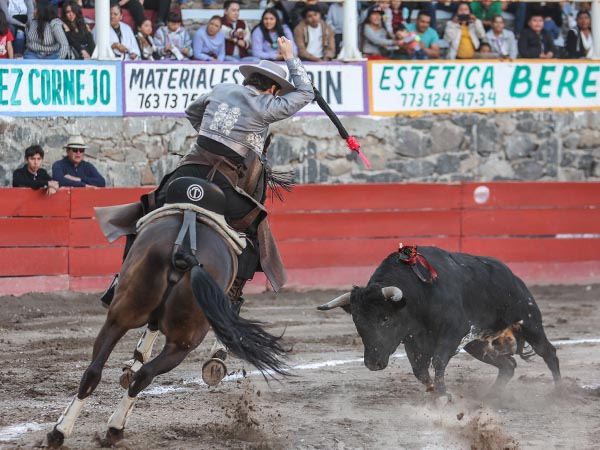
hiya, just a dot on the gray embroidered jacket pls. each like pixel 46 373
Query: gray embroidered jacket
pixel 239 116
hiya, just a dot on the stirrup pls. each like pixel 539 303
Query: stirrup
pixel 107 297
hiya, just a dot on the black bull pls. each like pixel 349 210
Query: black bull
pixel 476 302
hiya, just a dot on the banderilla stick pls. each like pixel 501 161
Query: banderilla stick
pixel 351 141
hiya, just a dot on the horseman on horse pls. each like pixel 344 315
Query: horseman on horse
pixel 187 243
pixel 233 137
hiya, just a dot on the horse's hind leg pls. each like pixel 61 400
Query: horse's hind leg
pixel 214 370
pixel 170 357
pixel 141 355
pixel 109 335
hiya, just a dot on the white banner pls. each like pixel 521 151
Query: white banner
pixel 482 86
pixel 167 88
pixel 73 88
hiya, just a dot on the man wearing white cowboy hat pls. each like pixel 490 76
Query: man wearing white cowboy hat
pixel 72 170
pixel 232 122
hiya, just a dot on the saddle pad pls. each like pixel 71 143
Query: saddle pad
pixel 216 221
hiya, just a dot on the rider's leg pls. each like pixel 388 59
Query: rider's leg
pixel 108 295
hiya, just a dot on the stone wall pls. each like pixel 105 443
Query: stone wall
pixel 133 151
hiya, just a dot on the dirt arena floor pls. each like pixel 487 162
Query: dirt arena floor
pixel 333 402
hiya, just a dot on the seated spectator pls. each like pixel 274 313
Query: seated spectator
pixel 46 38
pixel 335 18
pixel 6 38
pixel 237 33
pixel 209 41
pixel 148 50
pixel 535 41
pixel 485 51
pixel 463 33
pixel 121 38
pixel 579 38
pixel 32 175
pixel 552 14
pixel 502 42
pixel 429 37
pixel 410 42
pixel 172 40
pixel 314 38
pixel 386 14
pixel 265 34
pixel 18 13
pixel 296 14
pixel 72 170
pixel 135 8
pixel 78 34
pixel 485 10
pixel 376 42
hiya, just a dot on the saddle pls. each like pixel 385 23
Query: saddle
pixel 197 200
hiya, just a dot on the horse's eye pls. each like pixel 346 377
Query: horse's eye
pixel 385 319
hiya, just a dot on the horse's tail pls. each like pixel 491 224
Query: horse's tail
pixel 244 338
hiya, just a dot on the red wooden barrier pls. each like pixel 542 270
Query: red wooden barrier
pixel 329 235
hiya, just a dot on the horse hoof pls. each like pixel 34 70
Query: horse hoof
pixel 54 439
pixel 126 377
pixel 113 436
pixel 213 371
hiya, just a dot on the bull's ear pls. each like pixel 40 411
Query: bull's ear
pixel 342 300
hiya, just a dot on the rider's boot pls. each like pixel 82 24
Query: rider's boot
pixel 107 297
pixel 235 294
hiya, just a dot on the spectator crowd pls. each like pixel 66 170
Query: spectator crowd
pixel 57 29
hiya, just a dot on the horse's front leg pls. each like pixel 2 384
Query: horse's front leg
pixel 141 355
pixel 170 357
pixel 109 335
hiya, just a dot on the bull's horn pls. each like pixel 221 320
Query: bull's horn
pixel 342 300
pixel 392 293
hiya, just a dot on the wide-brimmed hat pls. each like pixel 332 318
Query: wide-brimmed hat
pixel 76 141
pixel 270 70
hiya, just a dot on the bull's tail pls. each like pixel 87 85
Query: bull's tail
pixel 524 350
pixel 244 338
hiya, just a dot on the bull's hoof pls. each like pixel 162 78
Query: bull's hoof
pixel 126 378
pixel 443 400
pixel 54 439
pixel 213 371
pixel 113 436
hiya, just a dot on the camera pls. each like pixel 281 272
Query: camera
pixel 463 18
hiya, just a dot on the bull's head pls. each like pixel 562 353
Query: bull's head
pixel 376 314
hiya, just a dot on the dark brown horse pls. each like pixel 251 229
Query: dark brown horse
pixel 181 295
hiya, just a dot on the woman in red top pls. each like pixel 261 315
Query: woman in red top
pixel 6 38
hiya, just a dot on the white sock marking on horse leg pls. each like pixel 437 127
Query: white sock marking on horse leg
pixel 217 346
pixel 119 418
pixel 146 343
pixel 67 420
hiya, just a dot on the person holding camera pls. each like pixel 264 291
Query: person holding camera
pixel 463 33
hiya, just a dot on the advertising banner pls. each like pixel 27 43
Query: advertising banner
pixel 167 88
pixel 411 86
pixel 60 88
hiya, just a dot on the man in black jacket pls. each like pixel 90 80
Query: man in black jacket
pixel 31 174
